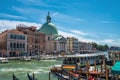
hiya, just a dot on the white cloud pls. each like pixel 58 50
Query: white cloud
pixel 42 20
pixel 19 9
pixel 54 14
pixel 11 16
pixel 8 24
pixel 110 42
pixel 65 34
pixel 80 38
pixel 107 41
pixel 37 2
pixel 78 32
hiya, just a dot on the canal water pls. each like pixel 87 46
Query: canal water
pixel 20 69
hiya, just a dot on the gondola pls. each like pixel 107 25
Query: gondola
pixel 31 77
pixel 73 76
pixel 61 76
pixel 14 77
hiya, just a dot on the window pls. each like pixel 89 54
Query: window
pixel 20 45
pixel 14 45
pixel 11 36
pixel 11 45
pixel 48 38
pixel 20 37
pixel 36 40
pixel 17 45
pixel 23 37
pixel 23 45
pixel 14 36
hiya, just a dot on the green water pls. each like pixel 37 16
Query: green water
pixel 20 69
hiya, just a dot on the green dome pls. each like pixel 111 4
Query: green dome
pixel 48 28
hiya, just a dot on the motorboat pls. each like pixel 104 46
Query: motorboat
pixel 3 60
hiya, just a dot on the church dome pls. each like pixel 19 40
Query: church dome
pixel 48 27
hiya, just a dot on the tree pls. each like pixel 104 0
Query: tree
pixel 106 47
pixel 100 47
pixel 94 45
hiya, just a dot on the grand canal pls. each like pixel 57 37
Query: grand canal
pixel 20 69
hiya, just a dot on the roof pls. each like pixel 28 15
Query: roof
pixel 15 31
pixel 11 31
pixel 48 28
pixel 84 55
pixel 116 68
pixel 58 37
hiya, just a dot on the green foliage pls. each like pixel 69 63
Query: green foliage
pixel 100 47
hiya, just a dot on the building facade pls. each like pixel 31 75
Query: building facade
pixel 12 43
pixel 55 44
pixel 31 41
pixel 72 44
pixel 35 39
pixel 86 47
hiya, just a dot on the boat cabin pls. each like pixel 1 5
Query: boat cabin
pixel 83 58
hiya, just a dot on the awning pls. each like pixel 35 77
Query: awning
pixel 116 68
pixel 69 67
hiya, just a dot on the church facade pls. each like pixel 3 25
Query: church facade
pixel 54 43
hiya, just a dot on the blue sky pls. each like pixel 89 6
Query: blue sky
pixel 87 20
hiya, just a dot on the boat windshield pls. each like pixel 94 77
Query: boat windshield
pixel 71 60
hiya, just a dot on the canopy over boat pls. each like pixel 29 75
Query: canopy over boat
pixel 84 55
pixel 116 68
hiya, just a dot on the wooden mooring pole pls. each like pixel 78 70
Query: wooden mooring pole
pixel 49 76
pixel 106 72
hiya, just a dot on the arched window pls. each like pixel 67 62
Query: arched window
pixel 17 45
pixel 11 36
pixel 14 36
pixel 14 45
pixel 11 45
pixel 23 37
pixel 20 45
pixel 36 40
pixel 17 36
pixel 23 45
pixel 48 38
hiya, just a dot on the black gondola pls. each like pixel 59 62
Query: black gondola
pixel 61 76
pixel 14 77
pixel 30 77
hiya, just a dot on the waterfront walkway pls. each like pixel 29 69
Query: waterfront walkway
pixel 42 57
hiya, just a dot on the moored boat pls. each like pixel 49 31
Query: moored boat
pixel 81 59
pixel 80 65
pixel 31 77
pixel 3 60
pixel 25 58
pixel 14 77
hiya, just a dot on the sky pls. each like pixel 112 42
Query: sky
pixel 88 20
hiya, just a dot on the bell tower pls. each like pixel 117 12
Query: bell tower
pixel 48 18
